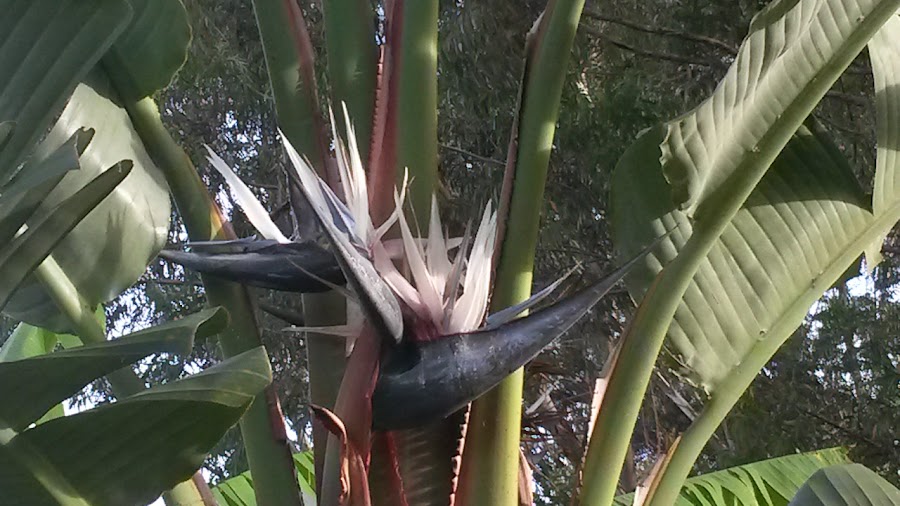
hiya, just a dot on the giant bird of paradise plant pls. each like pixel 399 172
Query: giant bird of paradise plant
pixel 714 210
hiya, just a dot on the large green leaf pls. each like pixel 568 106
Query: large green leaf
pixel 128 452
pixel 31 386
pixel 21 256
pixel 110 249
pixel 706 164
pixel 151 50
pixel 29 341
pixel 46 47
pixel 771 482
pixel 884 51
pixel 846 485
pixel 795 50
pixel 238 490
pixel 776 257
pixel 802 227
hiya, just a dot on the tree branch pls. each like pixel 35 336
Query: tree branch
pixel 658 55
pixel 470 154
pixel 658 30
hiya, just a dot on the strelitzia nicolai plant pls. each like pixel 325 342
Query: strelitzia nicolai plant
pixel 710 165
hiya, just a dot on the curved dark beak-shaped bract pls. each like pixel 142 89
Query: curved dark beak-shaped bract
pixel 293 267
pixel 421 383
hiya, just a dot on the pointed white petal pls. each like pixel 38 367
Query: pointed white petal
pixel 358 201
pixel 248 203
pixel 436 250
pixel 398 208
pixel 470 308
pixel 399 284
pixel 424 283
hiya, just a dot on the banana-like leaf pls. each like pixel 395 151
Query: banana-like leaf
pixel 846 485
pixel 707 164
pixel 29 341
pixel 27 251
pixel 755 285
pixel 128 452
pixel 110 249
pixel 151 50
pixel 770 482
pixel 31 386
pixel 47 47
pixel 6 130
pixel 795 50
pixel 884 51
pixel 805 223
pixel 238 491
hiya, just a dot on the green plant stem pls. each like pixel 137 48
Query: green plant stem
pixel 718 406
pixel 297 110
pixel 326 364
pixel 262 427
pixel 417 104
pixel 124 382
pixel 350 46
pixel 294 106
pixel 490 466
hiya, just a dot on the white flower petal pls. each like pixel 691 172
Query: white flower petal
pixel 424 282
pixel 470 308
pixel 436 251
pixel 248 203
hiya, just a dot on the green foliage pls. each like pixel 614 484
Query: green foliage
pixel 238 490
pixel 130 451
pixel 770 482
pixel 844 485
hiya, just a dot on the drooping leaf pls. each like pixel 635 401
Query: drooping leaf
pixel 767 483
pixel 110 249
pixel 238 490
pixel 128 452
pixel 846 485
pixel 27 251
pixel 29 341
pixel 48 47
pixel 151 50
pixel 33 385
